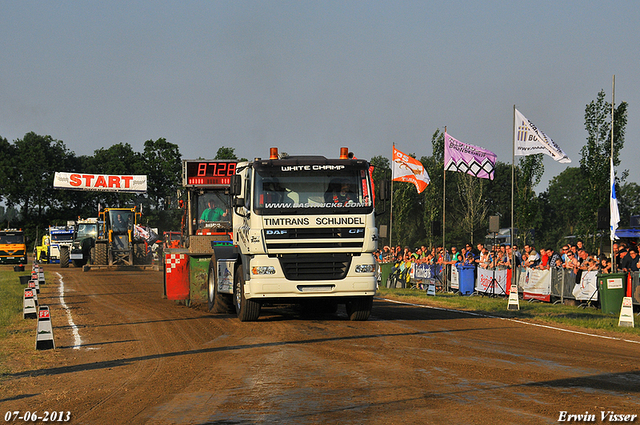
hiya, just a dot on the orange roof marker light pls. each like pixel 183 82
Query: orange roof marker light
pixel 273 153
pixel 344 153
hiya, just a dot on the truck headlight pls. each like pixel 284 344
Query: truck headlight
pixel 365 268
pixel 263 270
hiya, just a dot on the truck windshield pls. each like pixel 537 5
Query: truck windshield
pixel 312 188
pixel 213 207
pixel 11 239
pixel 87 231
pixel 121 220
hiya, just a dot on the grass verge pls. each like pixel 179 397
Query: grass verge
pixel 17 335
pixel 566 315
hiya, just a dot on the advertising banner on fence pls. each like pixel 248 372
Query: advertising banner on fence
pixel 423 271
pixel 536 284
pixel 587 289
pixel 484 281
pixel 455 278
pixel 101 182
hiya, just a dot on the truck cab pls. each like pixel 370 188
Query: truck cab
pixel 304 232
pixel 60 240
pixel 13 247
pixel 84 241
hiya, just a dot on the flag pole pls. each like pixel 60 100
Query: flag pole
pixel 612 236
pixel 444 190
pixel 513 167
pixel 391 212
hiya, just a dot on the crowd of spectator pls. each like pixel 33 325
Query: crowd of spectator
pixel 573 257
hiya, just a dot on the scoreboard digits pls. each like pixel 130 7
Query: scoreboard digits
pixel 209 173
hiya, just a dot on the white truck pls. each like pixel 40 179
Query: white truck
pixel 303 232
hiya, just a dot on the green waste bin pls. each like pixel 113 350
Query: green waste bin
pixel 611 291
pixel 385 271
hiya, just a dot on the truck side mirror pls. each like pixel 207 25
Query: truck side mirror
pixel 236 185
pixel 238 202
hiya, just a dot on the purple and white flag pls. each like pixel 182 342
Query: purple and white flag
pixel 469 159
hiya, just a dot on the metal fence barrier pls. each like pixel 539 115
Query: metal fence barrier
pixel 562 281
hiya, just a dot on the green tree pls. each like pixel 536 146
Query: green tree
pixel 526 212
pixel 35 160
pixel 408 225
pixel 497 195
pixel 408 228
pixel 30 164
pixel 629 202
pixel 162 165
pixel 594 162
pixel 117 159
pixel 472 206
pixel 381 172
pixel 561 204
pixel 6 166
pixel 226 153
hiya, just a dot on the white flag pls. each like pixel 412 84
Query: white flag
pixel 529 140
pixel 613 205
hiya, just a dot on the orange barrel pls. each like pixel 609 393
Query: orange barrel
pixel 177 275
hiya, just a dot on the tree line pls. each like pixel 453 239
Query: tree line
pixel 27 168
pixel 569 206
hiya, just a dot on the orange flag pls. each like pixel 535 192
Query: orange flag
pixel 408 169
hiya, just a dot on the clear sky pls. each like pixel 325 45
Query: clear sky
pixel 312 76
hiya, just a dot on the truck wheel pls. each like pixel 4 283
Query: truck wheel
pixel 247 310
pixel 218 303
pixel 64 257
pixel 359 308
pixel 100 258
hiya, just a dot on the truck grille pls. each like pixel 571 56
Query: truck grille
pixel 298 238
pixel 12 252
pixel 315 266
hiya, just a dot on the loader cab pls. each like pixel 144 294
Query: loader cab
pixel 120 221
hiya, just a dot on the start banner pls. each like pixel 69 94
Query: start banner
pixel 101 182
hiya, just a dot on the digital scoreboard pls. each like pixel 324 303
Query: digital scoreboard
pixel 208 172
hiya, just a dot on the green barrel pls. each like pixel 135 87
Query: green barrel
pixel 611 291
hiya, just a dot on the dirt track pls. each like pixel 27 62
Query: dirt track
pixel 144 359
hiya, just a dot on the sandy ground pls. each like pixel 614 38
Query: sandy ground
pixel 128 356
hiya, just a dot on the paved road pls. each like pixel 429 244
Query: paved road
pixel 130 356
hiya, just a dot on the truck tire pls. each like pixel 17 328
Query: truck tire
pixel 100 258
pixel 247 310
pixel 359 308
pixel 218 303
pixel 64 257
